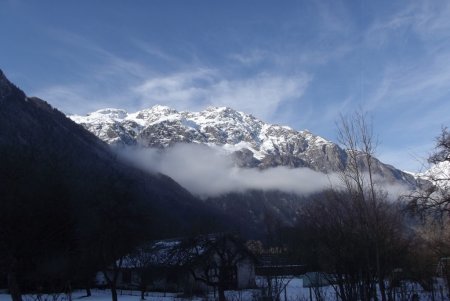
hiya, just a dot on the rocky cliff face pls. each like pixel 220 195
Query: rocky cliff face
pixel 49 163
pixel 251 142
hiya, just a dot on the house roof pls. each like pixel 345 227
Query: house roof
pixel 180 251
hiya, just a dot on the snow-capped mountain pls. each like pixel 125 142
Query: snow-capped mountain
pixel 251 142
pixel 438 174
pixel 53 170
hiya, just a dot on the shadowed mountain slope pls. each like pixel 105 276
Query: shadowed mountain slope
pixel 65 194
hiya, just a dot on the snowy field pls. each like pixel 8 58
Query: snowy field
pixel 294 292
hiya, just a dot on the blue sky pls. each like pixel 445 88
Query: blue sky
pixel 296 63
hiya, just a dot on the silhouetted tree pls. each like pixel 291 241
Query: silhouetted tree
pixel 435 196
pixel 213 260
pixel 144 260
pixel 353 231
pixel 432 202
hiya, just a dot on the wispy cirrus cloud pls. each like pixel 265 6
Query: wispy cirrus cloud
pixel 432 21
pixel 422 70
pixel 156 52
pixel 302 66
pixel 261 94
pixel 118 82
pixel 67 98
pixel 426 81
pixel 408 86
pixel 424 20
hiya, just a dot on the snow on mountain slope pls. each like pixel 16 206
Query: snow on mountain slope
pixel 262 171
pixel 251 142
pixel 438 174
pixel 254 142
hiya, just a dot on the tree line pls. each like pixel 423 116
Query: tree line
pixel 66 213
pixel 68 206
pixel 366 242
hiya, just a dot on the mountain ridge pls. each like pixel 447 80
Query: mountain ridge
pixel 40 140
pixel 251 142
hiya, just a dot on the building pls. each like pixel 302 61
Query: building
pixel 276 265
pixel 199 264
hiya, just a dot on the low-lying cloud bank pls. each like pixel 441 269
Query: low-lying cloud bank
pixel 208 172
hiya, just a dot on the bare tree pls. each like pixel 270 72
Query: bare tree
pixel 355 134
pixel 442 153
pixel 213 260
pixel 143 261
pixel 432 202
pixel 379 219
pixel 333 229
pixel 435 197
pixel 111 274
pixel 355 231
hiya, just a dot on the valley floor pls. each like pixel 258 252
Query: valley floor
pixel 294 292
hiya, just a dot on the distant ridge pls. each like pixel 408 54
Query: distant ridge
pixel 40 147
pixel 252 142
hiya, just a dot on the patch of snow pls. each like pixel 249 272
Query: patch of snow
pixel 221 126
pixel 438 174
pixel 294 291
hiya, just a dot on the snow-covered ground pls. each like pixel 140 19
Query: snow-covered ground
pixel 294 292
pixel 99 295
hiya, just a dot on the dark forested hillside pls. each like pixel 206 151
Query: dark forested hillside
pixel 67 202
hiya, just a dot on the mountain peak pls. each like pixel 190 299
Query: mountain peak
pixel 252 142
pixel 4 82
pixel 152 114
pixel 161 108
pixel 7 88
pixel 162 126
pixel 222 110
pixel 223 113
pixel 111 112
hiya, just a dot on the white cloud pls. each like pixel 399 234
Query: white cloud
pixel 429 21
pixel 206 172
pixel 418 89
pixel 154 51
pixel 432 20
pixel 252 57
pixel 260 95
pixel 410 159
pixel 114 81
pixel 426 27
pixel 67 98
pixel 183 89
pixel 81 99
